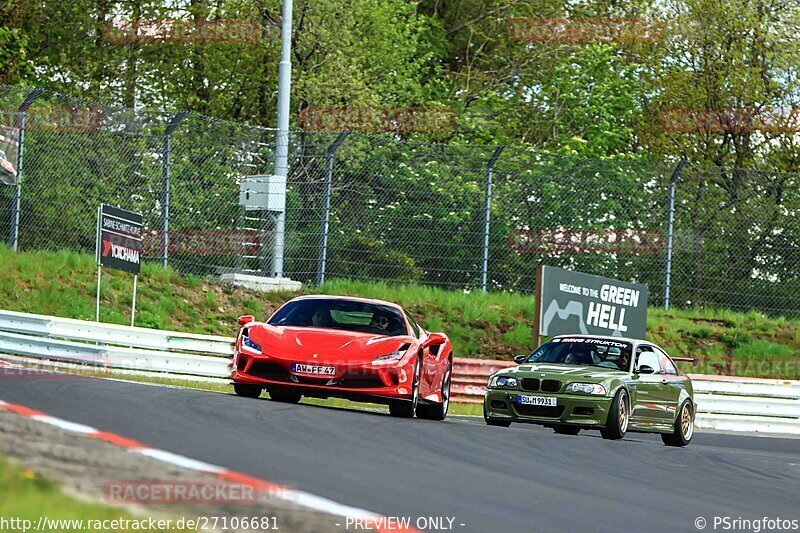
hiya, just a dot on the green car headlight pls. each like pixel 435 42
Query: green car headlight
pixel 586 388
pixel 503 381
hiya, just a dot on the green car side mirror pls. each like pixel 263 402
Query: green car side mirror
pixel 644 369
pixel 519 359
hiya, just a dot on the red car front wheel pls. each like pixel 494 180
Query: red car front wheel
pixel 247 390
pixel 438 411
pixel 285 396
pixel 408 408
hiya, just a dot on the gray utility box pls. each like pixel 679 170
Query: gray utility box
pixel 263 193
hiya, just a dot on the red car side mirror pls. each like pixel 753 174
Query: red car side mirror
pixel 246 319
pixel 435 339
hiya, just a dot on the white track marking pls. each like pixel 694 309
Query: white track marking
pixel 180 460
pixel 65 425
pixel 328 506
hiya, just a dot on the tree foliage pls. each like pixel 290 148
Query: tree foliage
pixel 602 102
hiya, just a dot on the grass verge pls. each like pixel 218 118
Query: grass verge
pixel 25 497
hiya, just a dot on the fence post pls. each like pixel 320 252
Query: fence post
pixel 282 135
pixel 167 143
pixel 670 223
pixel 16 199
pixel 487 212
pixel 326 206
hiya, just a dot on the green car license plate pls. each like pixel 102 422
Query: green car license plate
pixel 524 399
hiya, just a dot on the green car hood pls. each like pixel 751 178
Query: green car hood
pixel 588 374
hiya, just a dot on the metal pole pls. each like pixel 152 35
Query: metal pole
pixel 487 212
pixel 165 185
pixel 326 207
pixel 537 307
pixel 326 211
pixel 670 224
pixel 16 200
pixel 97 302
pixel 165 201
pixel 282 137
pixel 133 304
pixel 17 195
pixel 97 258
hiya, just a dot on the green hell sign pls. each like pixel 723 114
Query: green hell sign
pixel 572 302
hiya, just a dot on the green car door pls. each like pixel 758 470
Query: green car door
pixel 654 400
pixel 675 382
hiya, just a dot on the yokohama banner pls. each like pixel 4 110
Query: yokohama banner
pixel 119 239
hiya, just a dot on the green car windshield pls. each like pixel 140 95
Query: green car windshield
pixel 584 352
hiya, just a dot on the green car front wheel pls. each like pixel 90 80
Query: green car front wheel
pixel 618 416
pixel 492 422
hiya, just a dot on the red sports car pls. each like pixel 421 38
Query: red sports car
pixel 354 348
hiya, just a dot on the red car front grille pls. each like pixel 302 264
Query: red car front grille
pixel 362 382
pixel 271 371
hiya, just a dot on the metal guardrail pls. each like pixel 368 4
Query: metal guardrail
pixel 47 338
pixel 724 403
pixel 82 330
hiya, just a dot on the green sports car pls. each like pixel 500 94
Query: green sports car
pixel 613 384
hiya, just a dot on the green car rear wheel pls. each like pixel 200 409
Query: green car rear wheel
pixel 684 427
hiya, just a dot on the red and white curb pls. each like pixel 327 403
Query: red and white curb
pixel 310 501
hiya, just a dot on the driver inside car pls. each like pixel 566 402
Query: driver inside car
pixel 380 321
pixel 581 355
pixel 321 318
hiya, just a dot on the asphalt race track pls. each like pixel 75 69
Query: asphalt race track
pixel 490 479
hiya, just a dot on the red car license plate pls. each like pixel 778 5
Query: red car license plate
pixel 314 369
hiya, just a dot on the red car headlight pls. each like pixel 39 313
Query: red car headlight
pixel 389 359
pixel 251 345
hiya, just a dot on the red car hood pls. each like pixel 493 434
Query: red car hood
pixel 328 345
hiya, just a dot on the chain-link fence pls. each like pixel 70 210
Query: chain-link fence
pixel 375 207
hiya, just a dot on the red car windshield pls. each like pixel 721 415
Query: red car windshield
pixel 347 315
pixel 584 351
